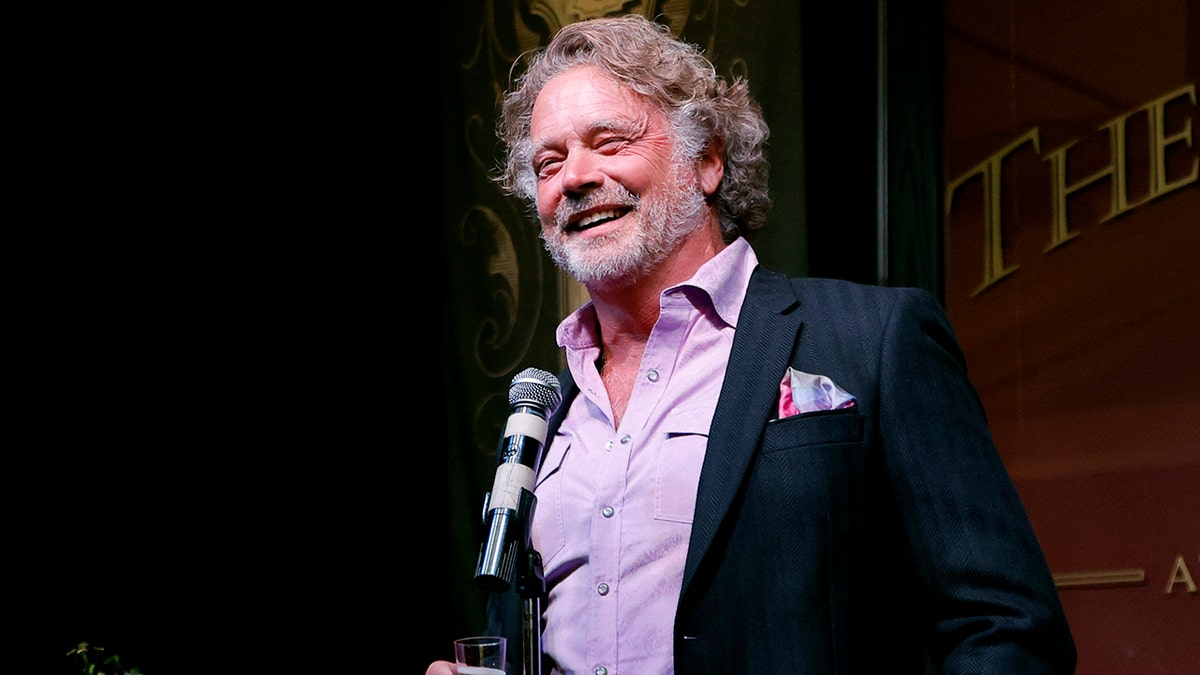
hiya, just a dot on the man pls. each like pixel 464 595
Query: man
pixel 748 473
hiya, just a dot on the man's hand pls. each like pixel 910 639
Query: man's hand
pixel 441 668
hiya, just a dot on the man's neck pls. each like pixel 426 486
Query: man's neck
pixel 626 313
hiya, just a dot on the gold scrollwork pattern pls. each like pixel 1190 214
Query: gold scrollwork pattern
pixel 497 336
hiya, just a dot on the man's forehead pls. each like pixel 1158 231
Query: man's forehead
pixel 585 98
pixel 584 84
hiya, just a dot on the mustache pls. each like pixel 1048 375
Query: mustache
pixel 612 195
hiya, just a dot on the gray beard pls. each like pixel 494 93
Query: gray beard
pixel 665 219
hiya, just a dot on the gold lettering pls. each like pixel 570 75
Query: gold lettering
pixel 1120 186
pixel 994 268
pixel 1060 232
pixel 1180 575
pixel 1159 142
pixel 1159 139
pixel 1101 578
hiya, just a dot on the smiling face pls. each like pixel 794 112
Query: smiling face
pixel 612 198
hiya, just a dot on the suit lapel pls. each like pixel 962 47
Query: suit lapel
pixel 766 334
pixel 569 391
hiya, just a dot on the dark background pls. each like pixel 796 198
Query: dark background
pixel 222 385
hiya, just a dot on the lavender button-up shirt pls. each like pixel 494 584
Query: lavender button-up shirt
pixel 614 509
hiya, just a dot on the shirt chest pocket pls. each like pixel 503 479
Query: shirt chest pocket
pixel 678 462
pixel 548 534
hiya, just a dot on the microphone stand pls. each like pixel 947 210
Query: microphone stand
pixel 507 556
pixel 531 587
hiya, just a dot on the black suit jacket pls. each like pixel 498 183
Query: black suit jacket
pixel 886 538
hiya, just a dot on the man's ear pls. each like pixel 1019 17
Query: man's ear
pixel 710 168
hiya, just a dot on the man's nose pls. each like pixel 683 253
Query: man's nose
pixel 580 172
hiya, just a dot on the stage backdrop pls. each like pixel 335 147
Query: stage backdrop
pixel 1073 230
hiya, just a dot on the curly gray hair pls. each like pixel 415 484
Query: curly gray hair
pixel 674 76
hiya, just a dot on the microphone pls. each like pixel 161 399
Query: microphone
pixel 508 509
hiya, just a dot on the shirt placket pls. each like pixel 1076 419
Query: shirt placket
pixel 608 521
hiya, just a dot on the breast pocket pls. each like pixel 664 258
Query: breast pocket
pixel 810 470
pixel 679 463
pixel 548 534
pixel 824 427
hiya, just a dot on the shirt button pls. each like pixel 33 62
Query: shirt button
pixel 602 589
pixel 608 445
pixel 608 512
pixel 652 376
pixel 600 670
pixel 626 438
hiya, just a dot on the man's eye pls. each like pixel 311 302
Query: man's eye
pixel 547 167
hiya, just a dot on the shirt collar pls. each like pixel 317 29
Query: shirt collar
pixel 725 279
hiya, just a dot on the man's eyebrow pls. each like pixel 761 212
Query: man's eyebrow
pixel 622 125
pixel 540 147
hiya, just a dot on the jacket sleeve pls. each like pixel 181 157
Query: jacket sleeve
pixel 990 600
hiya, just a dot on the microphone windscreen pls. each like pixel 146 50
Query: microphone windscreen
pixel 535 387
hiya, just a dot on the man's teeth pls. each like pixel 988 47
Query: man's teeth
pixel 596 217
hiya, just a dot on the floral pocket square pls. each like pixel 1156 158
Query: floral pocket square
pixel 801 392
